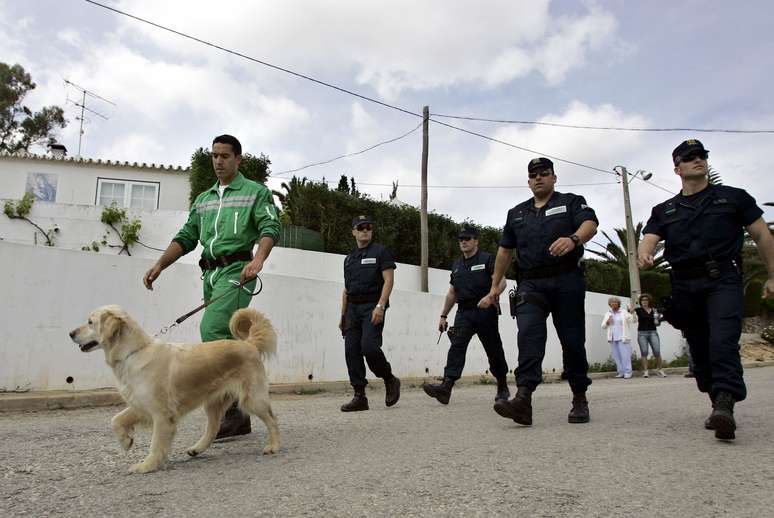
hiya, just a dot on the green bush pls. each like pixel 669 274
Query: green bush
pixel 330 211
pixel 657 284
pixel 606 366
pixel 752 300
pixel 602 277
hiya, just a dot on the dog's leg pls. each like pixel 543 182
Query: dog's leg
pixel 215 410
pixel 263 410
pixel 164 427
pixel 123 426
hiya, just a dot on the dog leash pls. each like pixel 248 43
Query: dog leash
pixel 164 330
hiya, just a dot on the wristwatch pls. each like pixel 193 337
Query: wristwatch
pixel 381 307
pixel 575 239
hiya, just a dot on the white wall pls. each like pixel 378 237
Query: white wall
pixel 77 180
pixel 45 292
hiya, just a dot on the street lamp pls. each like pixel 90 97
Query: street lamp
pixel 631 246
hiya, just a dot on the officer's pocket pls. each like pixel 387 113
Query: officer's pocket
pixel 719 221
pixel 558 225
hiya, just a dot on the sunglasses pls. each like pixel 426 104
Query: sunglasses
pixel 693 155
pixel 534 174
pixel 464 238
pixel 361 228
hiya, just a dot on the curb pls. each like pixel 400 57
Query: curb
pixel 65 400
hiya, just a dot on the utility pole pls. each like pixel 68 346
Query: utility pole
pixel 631 247
pixel 82 106
pixel 424 241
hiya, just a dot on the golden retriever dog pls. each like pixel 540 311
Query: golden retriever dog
pixel 161 382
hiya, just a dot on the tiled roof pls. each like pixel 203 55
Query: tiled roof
pixel 93 161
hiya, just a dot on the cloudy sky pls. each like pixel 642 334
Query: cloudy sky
pixel 658 64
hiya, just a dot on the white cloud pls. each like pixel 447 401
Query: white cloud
pixel 70 36
pixel 392 46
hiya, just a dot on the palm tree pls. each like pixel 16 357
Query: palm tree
pixel 617 254
pixel 713 176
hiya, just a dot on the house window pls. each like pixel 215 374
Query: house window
pixel 127 194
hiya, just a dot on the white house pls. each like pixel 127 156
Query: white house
pixel 85 181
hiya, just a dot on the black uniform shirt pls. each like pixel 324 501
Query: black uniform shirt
pixel 363 269
pixel 472 277
pixel 706 225
pixel 532 231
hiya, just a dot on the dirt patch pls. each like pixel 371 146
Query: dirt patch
pixel 755 349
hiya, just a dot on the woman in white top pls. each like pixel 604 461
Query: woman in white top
pixel 617 322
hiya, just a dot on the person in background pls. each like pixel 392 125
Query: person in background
pixel 617 322
pixel 648 318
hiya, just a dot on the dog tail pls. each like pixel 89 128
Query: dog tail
pixel 252 327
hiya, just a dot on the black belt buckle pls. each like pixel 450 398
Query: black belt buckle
pixel 713 269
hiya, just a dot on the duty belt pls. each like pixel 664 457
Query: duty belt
pixel 224 260
pixel 363 299
pixel 547 271
pixel 709 269
pixel 467 304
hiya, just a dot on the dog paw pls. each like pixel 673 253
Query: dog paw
pixel 126 442
pixel 270 449
pixel 143 467
pixel 193 452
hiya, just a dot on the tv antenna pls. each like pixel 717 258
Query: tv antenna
pixel 82 105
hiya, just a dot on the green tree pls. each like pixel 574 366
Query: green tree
pixel 616 252
pixel 202 175
pixel 20 127
pixel 343 184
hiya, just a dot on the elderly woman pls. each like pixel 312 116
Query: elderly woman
pixel 617 321
pixel 648 318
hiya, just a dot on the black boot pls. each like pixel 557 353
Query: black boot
pixel 503 394
pixel 722 418
pixel 440 391
pixel 708 422
pixel 391 391
pixel 234 423
pixel 579 413
pixel 519 408
pixel 358 403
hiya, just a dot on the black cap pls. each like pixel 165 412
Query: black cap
pixel 538 164
pixel 468 231
pixel 686 147
pixel 360 220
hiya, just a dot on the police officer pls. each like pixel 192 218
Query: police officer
pixel 548 231
pixel 228 219
pixel 368 279
pixel 471 279
pixel 703 232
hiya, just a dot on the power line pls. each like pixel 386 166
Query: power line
pixel 329 85
pixel 558 159
pixel 255 60
pixel 464 186
pixel 347 155
pixel 603 128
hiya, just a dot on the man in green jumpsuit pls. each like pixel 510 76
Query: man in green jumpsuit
pixel 228 219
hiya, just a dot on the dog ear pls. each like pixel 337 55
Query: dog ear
pixel 110 326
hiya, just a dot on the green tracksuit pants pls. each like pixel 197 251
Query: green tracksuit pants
pixel 214 325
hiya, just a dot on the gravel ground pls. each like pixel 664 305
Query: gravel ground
pixel 645 453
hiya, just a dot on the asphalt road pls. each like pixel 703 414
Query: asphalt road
pixel 645 453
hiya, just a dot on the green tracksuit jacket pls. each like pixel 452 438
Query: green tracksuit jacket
pixel 223 226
